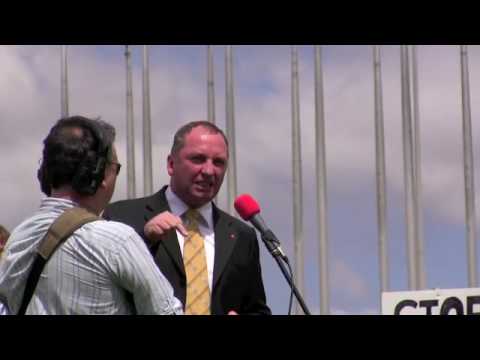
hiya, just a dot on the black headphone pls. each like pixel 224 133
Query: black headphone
pixel 91 171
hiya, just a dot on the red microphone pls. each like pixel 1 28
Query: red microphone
pixel 246 207
pixel 249 210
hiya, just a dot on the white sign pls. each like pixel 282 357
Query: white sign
pixel 432 302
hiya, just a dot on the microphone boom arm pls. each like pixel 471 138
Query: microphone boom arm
pixel 274 248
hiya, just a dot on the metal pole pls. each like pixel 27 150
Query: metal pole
pixel 131 188
pixel 230 130
pixel 417 168
pixel 64 81
pixel 380 172
pixel 147 132
pixel 408 168
pixel 321 183
pixel 297 178
pixel 468 170
pixel 210 85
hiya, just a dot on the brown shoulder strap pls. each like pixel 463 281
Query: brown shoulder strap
pixel 61 229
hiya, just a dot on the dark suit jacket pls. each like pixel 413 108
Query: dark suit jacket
pixel 237 279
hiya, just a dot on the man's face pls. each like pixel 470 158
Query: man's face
pixel 198 169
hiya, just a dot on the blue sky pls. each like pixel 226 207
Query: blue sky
pixel 30 103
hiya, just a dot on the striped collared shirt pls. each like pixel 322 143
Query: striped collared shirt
pixel 91 273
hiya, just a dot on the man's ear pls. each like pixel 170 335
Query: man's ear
pixel 170 165
pixel 103 184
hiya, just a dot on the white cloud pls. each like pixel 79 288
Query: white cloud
pixel 348 282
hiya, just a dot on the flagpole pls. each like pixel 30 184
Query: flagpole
pixel 321 183
pixel 297 178
pixel 230 130
pixel 408 169
pixel 210 85
pixel 147 127
pixel 380 171
pixel 468 170
pixel 64 81
pixel 419 241
pixel 131 186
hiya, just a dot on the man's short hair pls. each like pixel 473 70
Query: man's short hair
pixel 75 153
pixel 179 138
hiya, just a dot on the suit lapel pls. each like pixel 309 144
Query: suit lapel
pixel 225 240
pixel 156 205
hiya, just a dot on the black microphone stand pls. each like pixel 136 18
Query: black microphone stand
pixel 273 249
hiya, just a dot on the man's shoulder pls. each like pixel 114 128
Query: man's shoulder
pixel 111 233
pixel 237 223
pixel 132 207
pixel 126 209
pixel 110 228
pixel 127 204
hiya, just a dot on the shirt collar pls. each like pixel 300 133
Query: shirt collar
pixel 56 204
pixel 178 207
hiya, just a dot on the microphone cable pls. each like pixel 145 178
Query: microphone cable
pixel 291 288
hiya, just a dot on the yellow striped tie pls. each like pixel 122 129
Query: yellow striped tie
pixel 195 262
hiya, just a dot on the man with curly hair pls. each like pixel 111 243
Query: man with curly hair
pixel 104 267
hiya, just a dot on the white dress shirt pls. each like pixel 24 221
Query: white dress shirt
pixel 178 208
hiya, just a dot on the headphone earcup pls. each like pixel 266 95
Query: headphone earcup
pixel 98 173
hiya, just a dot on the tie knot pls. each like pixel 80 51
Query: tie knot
pixel 193 217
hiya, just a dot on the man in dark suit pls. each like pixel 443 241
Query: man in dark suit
pixel 185 229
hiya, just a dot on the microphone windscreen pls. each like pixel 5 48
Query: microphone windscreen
pixel 246 206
